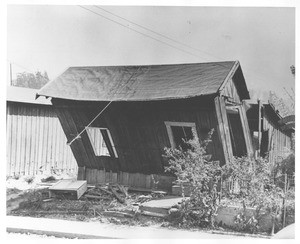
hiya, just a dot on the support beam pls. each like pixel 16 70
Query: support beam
pixel 259 126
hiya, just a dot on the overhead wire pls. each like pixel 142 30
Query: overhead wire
pixel 141 33
pixel 157 33
pixel 254 75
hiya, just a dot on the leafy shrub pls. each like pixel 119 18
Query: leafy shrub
pixel 256 189
pixel 193 167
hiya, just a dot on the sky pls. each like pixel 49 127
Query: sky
pixel 53 38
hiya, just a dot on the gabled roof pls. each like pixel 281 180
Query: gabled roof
pixel 24 95
pixel 141 83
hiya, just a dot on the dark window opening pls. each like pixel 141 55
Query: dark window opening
pixel 236 133
pixel 181 135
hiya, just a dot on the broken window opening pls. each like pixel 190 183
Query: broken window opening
pixel 237 137
pixel 179 133
pixel 102 142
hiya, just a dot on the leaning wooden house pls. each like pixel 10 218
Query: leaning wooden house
pixel 129 114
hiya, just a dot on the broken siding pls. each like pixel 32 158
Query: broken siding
pixel 35 141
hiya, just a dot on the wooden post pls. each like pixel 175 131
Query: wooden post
pixel 284 208
pixel 259 126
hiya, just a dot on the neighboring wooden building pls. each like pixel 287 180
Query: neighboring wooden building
pixel 270 137
pixel 35 141
pixel 149 108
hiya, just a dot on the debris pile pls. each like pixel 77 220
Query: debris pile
pixel 105 203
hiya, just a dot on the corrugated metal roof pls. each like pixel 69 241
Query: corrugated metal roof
pixel 24 95
pixel 139 83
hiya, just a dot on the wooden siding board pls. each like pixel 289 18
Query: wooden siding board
pixel 32 141
pixel 8 138
pixel 23 140
pixel 140 135
pixel 80 122
pixel 221 128
pixel 246 131
pixel 18 145
pixel 230 90
pixel 28 141
pixel 27 136
pixel 69 134
pixel 226 127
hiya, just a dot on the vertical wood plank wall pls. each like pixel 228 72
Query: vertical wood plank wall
pixel 35 141
pixel 279 142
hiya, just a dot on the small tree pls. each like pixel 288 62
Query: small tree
pixel 193 166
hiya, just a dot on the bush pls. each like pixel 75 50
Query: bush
pixel 256 189
pixel 193 167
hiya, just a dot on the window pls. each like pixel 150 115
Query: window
pixel 102 142
pixel 179 132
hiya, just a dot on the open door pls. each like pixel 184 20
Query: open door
pixel 237 137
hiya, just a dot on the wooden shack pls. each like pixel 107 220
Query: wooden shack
pixel 271 136
pixel 134 112
pixel 35 141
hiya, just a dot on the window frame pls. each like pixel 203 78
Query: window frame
pixel 110 140
pixel 168 125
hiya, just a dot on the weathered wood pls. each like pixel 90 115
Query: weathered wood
pixel 287 119
pixel 221 128
pixel 246 130
pixel 31 146
pixel 111 213
pixel 120 199
pixel 226 126
pixel 123 190
pixel 97 197
pixel 100 176
pixel 259 126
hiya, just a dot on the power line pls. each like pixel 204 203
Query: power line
pixel 164 42
pixel 159 34
pixel 141 33
pixel 173 40
pixel 168 44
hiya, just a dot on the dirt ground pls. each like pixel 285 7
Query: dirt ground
pixel 32 199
